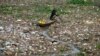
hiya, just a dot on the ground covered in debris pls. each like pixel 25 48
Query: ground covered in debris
pixel 77 34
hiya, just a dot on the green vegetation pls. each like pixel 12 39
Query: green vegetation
pixel 81 2
pixel 29 11
pixel 5 9
pixel 80 54
pixel 77 1
pixel 62 49
pixel 43 9
pixel 37 10
pixel 98 46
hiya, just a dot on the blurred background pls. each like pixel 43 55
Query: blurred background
pixel 80 26
pixel 38 8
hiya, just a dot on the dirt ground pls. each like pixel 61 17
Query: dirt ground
pixel 77 34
